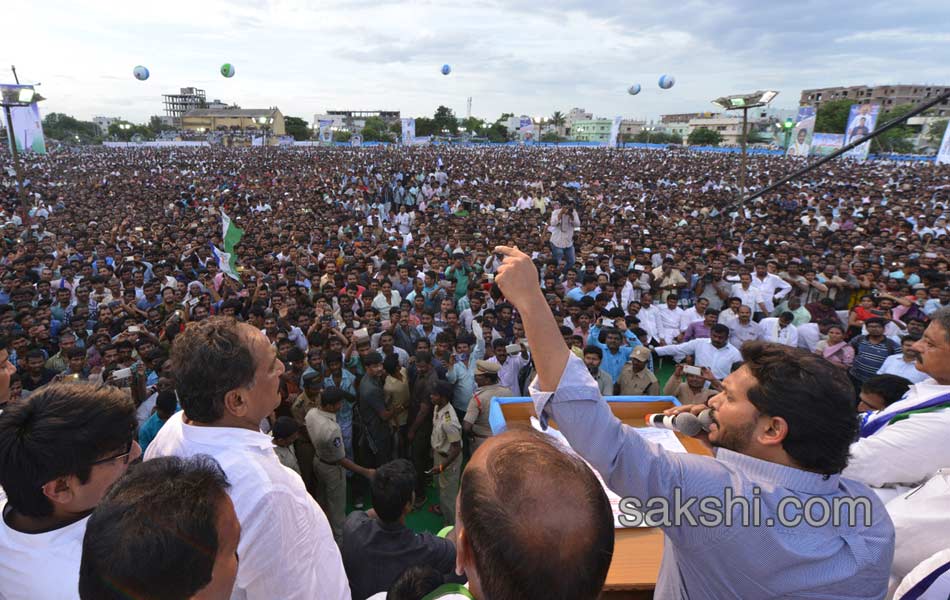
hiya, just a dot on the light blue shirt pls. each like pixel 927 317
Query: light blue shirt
pixel 462 375
pixel 722 561
pixel 612 363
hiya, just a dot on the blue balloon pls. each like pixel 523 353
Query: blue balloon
pixel 666 81
pixel 140 72
pixel 634 89
pixel 446 69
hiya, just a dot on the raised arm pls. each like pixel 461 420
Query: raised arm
pixel 518 279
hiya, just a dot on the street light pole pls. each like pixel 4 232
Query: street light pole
pixel 21 193
pixel 742 160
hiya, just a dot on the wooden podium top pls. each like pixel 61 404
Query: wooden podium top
pixel 637 550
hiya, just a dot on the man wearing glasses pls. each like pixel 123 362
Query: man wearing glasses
pixel 60 450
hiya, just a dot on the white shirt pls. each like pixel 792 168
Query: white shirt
pixel 287 549
pixel 727 317
pixel 40 566
pixel 649 321
pixel 144 411
pixel 901 455
pixel 562 226
pixel 668 322
pixel 385 306
pixel 938 589
pixel 896 365
pixel 401 354
pixel 689 317
pixel 719 360
pixel 809 336
pixel 772 331
pixel 921 525
pixel 633 291
pixel 508 374
pixel 740 334
pixel 771 286
pixel 751 297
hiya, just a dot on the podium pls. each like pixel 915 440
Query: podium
pixel 637 550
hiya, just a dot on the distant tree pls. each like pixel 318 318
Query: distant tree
pixel 342 136
pixel 756 137
pixel 935 132
pixel 676 138
pixel 156 125
pixel 375 130
pixel 550 136
pixel 425 127
pixel 62 127
pixel 702 136
pixel 558 120
pixel 396 128
pixel 897 139
pixel 832 116
pixel 297 127
pixel 445 119
pixel 119 132
pixel 497 133
pixel 475 125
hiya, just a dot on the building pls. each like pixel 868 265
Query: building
pixel 574 115
pixel 355 120
pixel 103 123
pixel 165 120
pixel 887 96
pixel 730 128
pixel 686 117
pixel 243 120
pixel 591 130
pixel 189 98
pixel 631 127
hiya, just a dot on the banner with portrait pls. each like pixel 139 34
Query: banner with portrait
pixel 525 129
pixel 861 122
pixel 28 129
pixel 408 131
pixel 325 127
pixel 800 143
pixel 614 132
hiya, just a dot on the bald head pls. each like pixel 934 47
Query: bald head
pixel 520 497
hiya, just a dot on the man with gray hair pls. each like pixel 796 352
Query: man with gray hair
pixel 903 444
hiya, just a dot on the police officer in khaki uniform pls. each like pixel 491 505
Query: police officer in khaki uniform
pixel 446 449
pixel 330 458
pixel 476 423
pixel 308 398
pixel 635 379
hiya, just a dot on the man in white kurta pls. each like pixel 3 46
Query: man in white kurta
pixel 905 443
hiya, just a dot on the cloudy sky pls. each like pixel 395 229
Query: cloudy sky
pixel 527 57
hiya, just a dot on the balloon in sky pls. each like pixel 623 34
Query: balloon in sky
pixel 446 69
pixel 227 69
pixel 634 89
pixel 666 81
pixel 140 72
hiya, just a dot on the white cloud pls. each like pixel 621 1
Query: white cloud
pixel 308 56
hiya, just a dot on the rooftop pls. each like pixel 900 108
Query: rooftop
pixel 231 112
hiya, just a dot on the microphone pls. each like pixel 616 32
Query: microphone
pixel 705 419
pixel 686 423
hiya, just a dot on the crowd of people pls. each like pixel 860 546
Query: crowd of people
pixel 352 350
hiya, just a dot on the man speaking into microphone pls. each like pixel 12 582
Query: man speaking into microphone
pixel 781 430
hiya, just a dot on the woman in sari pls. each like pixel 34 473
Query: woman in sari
pixel 835 349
